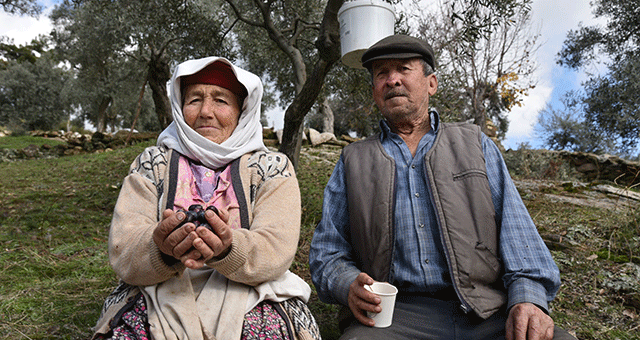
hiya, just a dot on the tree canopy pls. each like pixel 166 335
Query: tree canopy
pixel 117 49
pixel 112 43
pixel 610 103
pixel 563 128
pixel 485 61
pixel 28 52
pixel 23 7
pixel 32 93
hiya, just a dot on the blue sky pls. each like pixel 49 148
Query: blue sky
pixel 553 17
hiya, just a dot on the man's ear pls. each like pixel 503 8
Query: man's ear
pixel 433 84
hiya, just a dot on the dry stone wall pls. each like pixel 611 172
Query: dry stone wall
pixel 542 164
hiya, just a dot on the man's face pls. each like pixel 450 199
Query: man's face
pixel 400 88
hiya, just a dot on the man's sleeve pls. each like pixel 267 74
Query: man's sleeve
pixel 330 260
pixel 531 275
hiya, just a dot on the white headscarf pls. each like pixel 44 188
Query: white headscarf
pixel 247 136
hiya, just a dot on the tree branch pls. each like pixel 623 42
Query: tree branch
pixel 238 15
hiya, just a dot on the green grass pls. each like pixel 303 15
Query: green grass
pixel 54 221
pixel 592 301
pixel 54 271
pixel 21 142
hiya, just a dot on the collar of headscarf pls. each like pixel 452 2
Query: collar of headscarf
pixel 247 136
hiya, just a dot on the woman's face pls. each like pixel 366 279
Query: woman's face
pixel 211 110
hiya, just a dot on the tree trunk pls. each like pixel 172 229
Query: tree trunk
pixel 138 107
pixel 302 103
pixel 102 114
pixel 328 45
pixel 159 74
pixel 479 115
pixel 327 116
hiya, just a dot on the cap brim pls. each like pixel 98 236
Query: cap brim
pixel 405 55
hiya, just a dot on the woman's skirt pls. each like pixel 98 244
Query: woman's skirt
pixel 287 320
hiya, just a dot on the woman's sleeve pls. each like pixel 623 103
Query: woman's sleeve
pixel 266 250
pixel 133 254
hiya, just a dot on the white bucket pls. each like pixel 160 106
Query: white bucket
pixel 362 24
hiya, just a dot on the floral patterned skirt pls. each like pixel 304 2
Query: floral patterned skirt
pixel 265 321
pixel 133 324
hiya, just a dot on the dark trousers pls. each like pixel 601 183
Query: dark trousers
pixel 419 317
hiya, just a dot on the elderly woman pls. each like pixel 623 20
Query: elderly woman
pixel 222 274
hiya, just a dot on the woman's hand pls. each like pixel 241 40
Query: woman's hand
pixel 193 247
pixel 209 245
pixel 178 243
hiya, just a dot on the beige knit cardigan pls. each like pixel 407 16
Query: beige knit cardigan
pixel 257 265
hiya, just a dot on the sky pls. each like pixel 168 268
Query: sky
pixel 553 17
pixel 22 29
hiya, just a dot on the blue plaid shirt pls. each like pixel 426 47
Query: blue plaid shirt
pixel 419 263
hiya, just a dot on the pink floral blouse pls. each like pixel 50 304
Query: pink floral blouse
pixel 198 184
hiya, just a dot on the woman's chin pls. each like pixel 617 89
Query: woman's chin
pixel 211 134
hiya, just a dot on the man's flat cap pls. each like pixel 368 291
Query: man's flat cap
pixel 399 47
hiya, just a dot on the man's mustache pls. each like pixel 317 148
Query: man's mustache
pixel 395 93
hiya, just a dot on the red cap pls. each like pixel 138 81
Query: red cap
pixel 217 73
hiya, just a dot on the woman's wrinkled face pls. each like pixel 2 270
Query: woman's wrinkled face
pixel 211 110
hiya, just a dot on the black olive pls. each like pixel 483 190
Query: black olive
pixel 195 215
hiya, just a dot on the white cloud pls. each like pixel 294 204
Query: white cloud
pixel 23 29
pixel 523 118
pixel 555 18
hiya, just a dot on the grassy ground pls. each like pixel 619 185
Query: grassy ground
pixel 22 142
pixel 54 272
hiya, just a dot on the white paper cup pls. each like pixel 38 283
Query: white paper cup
pixel 387 293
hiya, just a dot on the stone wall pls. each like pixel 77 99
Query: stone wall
pixel 74 143
pixel 542 164
pixel 604 167
pixel 565 165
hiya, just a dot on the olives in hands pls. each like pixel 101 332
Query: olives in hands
pixel 195 215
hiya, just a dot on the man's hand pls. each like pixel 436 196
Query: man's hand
pixel 528 322
pixel 362 301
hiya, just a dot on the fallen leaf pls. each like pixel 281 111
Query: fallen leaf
pixel 629 313
pixel 592 257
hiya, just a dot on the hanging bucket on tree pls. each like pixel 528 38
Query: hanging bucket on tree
pixel 362 24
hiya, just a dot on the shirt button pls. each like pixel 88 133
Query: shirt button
pixel 413 166
pixel 421 225
pixel 426 261
pixel 417 194
pixel 208 173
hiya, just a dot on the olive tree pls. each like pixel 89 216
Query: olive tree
pixel 485 62
pixel 23 7
pixel 610 102
pixel 294 43
pixel 116 45
pixel 32 94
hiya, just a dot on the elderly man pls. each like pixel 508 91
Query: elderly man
pixel 430 208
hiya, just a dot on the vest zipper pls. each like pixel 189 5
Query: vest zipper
pixel 463 304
